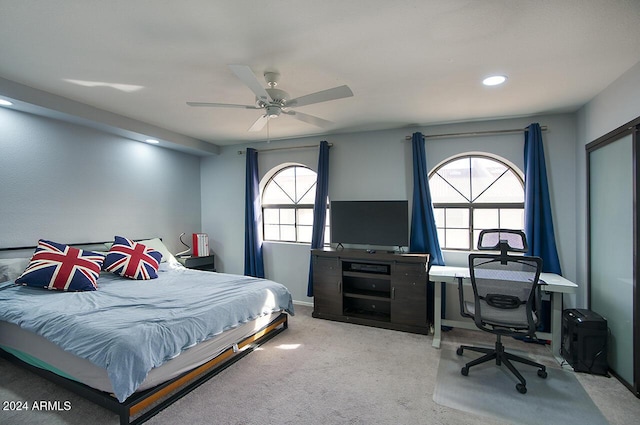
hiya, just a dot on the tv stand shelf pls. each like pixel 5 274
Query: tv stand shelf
pixel 367 275
pixel 375 289
pixel 367 295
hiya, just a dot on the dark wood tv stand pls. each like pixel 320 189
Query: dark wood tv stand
pixel 378 289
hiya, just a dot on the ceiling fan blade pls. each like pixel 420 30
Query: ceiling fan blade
pixel 222 105
pixel 321 96
pixel 318 122
pixel 260 123
pixel 246 75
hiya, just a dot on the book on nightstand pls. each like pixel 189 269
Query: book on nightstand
pixel 200 244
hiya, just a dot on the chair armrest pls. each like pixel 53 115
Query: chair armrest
pixel 463 312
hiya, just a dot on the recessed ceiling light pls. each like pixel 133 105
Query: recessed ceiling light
pixel 4 102
pixel 494 80
pixel 152 141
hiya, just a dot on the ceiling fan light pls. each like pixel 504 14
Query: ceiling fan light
pixel 273 112
pixel 494 80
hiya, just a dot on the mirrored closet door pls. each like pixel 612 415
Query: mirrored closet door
pixel 613 245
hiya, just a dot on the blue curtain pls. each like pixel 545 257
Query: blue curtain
pixel 253 263
pixel 538 223
pixel 424 237
pixel 319 207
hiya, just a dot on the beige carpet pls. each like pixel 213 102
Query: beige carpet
pixel 315 372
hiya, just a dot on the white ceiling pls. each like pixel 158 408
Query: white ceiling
pixel 407 62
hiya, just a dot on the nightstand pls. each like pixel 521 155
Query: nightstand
pixel 206 262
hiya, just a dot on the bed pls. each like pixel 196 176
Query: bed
pixel 135 346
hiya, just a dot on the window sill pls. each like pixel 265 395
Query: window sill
pixel 286 243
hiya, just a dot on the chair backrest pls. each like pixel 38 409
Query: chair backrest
pixel 505 287
pixel 504 240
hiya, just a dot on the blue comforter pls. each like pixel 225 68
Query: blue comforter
pixel 129 327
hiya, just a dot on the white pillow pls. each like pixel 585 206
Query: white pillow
pixel 12 268
pixel 159 246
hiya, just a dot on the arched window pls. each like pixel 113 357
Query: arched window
pixel 287 205
pixel 472 192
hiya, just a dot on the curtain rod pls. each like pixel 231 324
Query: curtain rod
pixel 285 148
pixel 476 133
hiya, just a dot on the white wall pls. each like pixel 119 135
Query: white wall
pixel 377 165
pixel 70 183
pixel 614 106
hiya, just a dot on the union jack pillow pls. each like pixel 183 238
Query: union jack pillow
pixel 132 259
pixel 62 267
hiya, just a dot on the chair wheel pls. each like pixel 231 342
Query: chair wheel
pixel 464 371
pixel 459 351
pixel 521 388
pixel 542 373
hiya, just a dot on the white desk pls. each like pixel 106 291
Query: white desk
pixel 556 285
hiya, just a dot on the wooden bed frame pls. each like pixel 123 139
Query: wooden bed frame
pixel 139 407
pixel 143 405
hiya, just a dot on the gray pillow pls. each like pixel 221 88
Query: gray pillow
pixel 11 268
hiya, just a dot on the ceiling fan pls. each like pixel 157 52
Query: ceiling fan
pixel 275 102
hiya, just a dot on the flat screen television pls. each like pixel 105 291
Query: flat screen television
pixel 382 223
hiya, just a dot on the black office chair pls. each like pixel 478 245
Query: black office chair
pixel 506 292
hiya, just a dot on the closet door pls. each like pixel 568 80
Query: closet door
pixel 613 242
